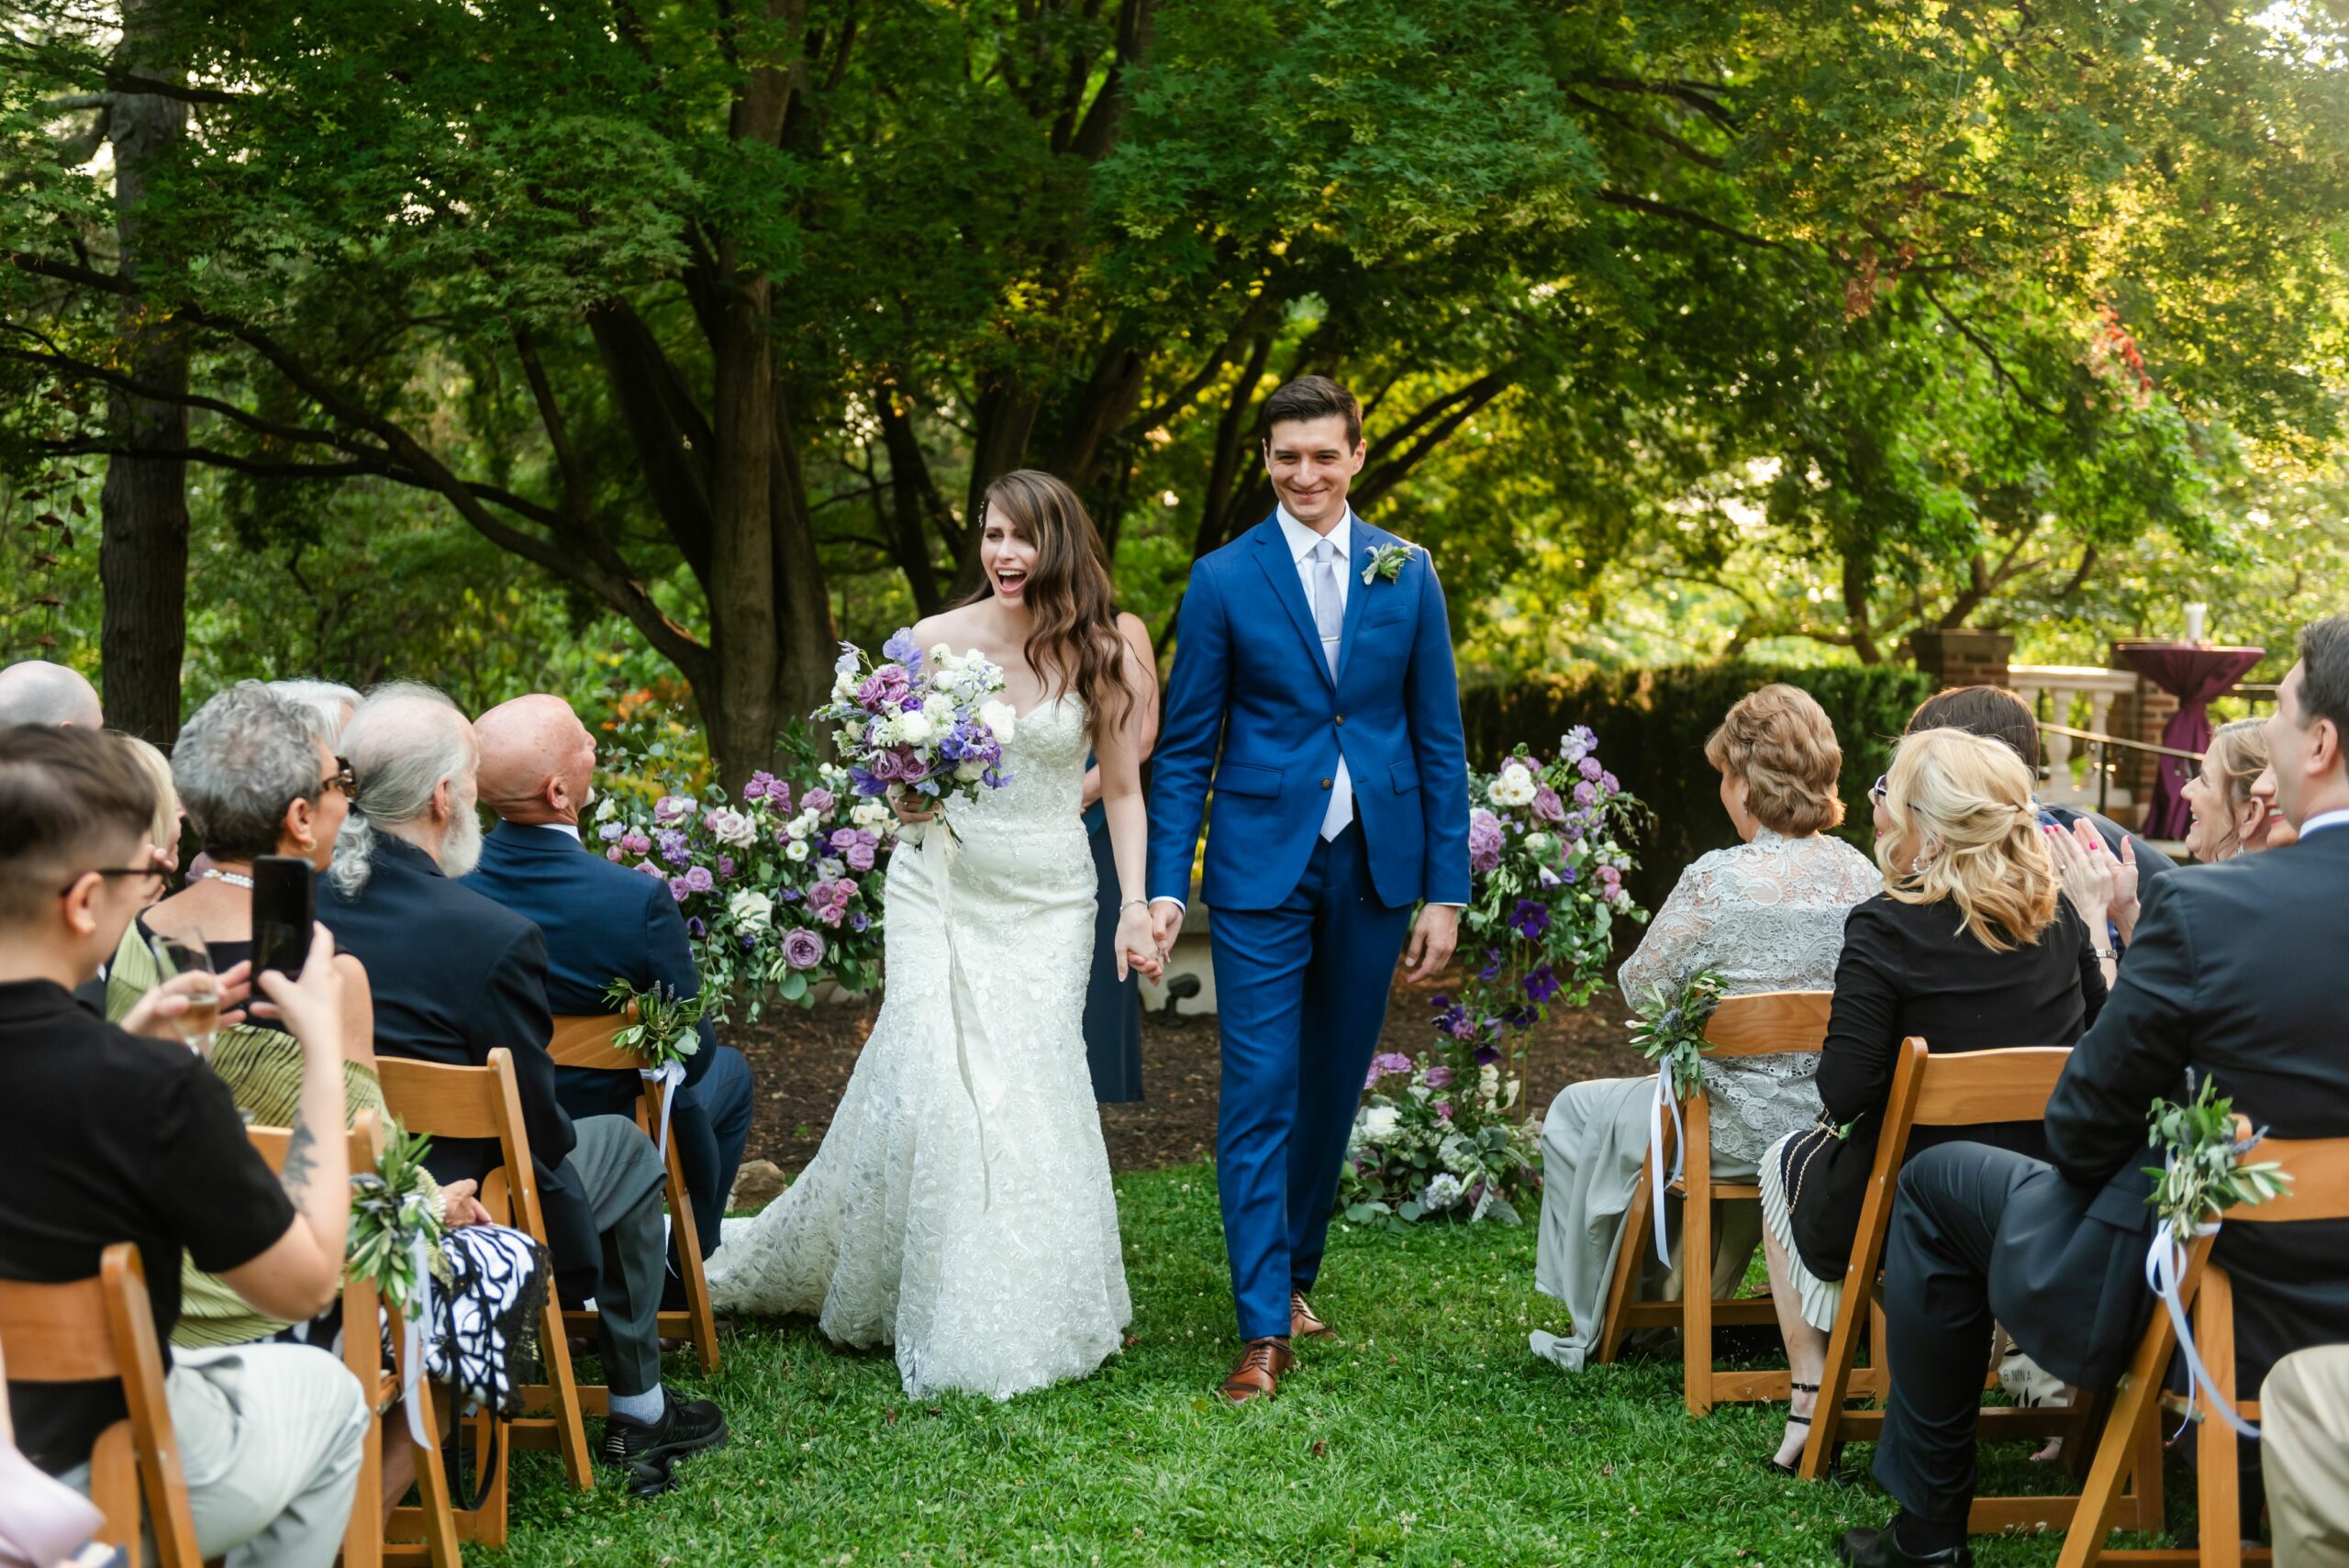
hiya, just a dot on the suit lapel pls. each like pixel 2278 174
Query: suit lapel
pixel 1367 539
pixel 1280 571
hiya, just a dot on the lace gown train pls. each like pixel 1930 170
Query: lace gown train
pixel 960 1207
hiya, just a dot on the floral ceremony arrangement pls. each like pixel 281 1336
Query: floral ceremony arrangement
pixel 667 1031
pixel 1442 1132
pixel 1670 1030
pixel 393 1241
pixel 929 724
pixel 780 888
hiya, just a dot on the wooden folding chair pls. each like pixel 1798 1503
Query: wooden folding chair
pixel 586 1042
pixel 364 1542
pixel 1767 1023
pixel 96 1329
pixel 483 1102
pixel 2319 1173
pixel 1968 1089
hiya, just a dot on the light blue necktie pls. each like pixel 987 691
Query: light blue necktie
pixel 1329 602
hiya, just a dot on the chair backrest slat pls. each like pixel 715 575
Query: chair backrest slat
pixel 440 1102
pixel 585 1041
pixel 58 1334
pixel 1768 1023
pixel 1977 1087
pixel 364 1141
pixel 2319 1168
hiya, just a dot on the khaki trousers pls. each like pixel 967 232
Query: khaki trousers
pixel 2304 1449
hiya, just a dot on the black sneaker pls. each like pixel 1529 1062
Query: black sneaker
pixel 688 1426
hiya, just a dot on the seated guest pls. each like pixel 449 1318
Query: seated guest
pixel 1970 946
pixel 601 923
pixel 163 833
pixel 133 1139
pixel 2228 977
pixel 37 692
pixel 2304 1449
pixel 329 705
pixel 2003 715
pixel 457 975
pixel 2275 833
pixel 256 783
pixel 1768 916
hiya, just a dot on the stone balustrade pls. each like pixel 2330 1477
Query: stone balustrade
pixel 2080 696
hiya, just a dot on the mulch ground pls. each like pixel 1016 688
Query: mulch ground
pixel 802 1060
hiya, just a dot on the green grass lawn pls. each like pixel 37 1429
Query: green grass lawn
pixel 1428 1436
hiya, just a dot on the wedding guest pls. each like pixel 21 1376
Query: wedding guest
pixel 2304 1449
pixel 163 833
pixel 2227 977
pixel 35 691
pixel 1970 946
pixel 2275 832
pixel 602 922
pixel 1766 915
pixel 256 783
pixel 457 975
pixel 327 704
pixel 136 1141
pixel 1112 1006
pixel 2226 820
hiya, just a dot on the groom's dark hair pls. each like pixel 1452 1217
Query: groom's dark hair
pixel 1311 397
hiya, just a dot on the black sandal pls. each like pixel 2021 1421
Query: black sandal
pixel 1790 1471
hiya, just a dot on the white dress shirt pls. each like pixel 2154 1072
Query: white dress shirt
pixel 2324 819
pixel 1302 542
pixel 569 827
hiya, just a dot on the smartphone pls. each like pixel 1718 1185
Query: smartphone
pixel 285 905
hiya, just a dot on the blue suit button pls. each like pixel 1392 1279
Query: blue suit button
pixel 1325 783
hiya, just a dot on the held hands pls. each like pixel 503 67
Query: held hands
pixel 1434 935
pixel 1166 921
pixel 152 1016
pixel 311 1005
pixel 1139 950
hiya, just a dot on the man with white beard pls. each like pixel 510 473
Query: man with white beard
pixel 455 975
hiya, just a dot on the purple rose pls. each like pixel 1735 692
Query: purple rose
pixel 912 769
pixel 1547 806
pixel 803 949
pixel 819 801
pixel 680 889
pixel 1608 782
pixel 888 767
pixel 1437 1076
pixel 1586 794
pixel 650 869
pixel 859 856
pixel 761 781
pixel 699 879
pixel 779 797
pixel 669 807
pixel 1484 840
pixel 884 689
pixel 1591 768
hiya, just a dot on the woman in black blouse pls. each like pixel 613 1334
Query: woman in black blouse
pixel 1970 947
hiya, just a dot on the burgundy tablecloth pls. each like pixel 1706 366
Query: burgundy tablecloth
pixel 2194 675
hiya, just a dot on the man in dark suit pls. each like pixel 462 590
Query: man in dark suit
pixel 601 922
pixel 2229 975
pixel 454 975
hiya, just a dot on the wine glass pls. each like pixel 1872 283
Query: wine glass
pixel 188 955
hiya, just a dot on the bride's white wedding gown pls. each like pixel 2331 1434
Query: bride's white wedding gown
pixel 960 1207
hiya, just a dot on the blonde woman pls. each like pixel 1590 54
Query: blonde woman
pixel 1766 914
pixel 169 813
pixel 1969 945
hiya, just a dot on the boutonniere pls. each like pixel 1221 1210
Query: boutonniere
pixel 1386 561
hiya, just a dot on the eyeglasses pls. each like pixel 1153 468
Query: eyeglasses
pixel 340 779
pixel 1876 790
pixel 146 871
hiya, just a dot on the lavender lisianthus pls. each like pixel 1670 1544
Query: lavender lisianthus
pixel 699 879
pixel 1589 768
pixel 610 831
pixel 680 889
pixel 1586 794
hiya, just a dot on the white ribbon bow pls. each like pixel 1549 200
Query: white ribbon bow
pixel 2164 1273
pixel 670 1076
pixel 1664 1099
pixel 412 1322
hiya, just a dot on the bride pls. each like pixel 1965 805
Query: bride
pixel 960 1207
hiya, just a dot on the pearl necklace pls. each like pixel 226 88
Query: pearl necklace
pixel 233 878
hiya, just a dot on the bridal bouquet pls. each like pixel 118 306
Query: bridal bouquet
pixel 934 725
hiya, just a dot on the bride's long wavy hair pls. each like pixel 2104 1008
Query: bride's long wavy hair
pixel 1075 644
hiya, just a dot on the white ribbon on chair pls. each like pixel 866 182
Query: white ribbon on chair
pixel 419 1256
pixel 1664 1099
pixel 939 845
pixel 2166 1272
pixel 670 1076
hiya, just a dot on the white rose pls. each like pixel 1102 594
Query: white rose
pixel 1515 786
pixel 1380 1123
pixel 753 910
pixel 1493 793
pixel 970 772
pixel 913 729
pixel 795 850
pixel 868 813
pixel 1001 717
pixel 732 827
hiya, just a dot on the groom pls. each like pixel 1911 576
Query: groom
pixel 1313 690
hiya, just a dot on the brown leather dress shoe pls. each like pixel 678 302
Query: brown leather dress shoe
pixel 1258 1375
pixel 1302 1323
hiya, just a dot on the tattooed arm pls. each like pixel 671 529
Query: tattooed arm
pixel 299 1276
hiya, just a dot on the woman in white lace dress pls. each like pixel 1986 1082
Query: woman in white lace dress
pixel 1768 916
pixel 959 1207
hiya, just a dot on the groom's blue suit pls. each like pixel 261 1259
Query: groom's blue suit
pixel 1307 930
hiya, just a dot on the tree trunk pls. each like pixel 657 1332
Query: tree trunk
pixel 142 549
pixel 740 714
pixel 803 680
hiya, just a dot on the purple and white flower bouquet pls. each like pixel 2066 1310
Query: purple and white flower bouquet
pixel 932 725
pixel 1441 1133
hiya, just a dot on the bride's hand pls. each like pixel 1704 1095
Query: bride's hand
pixel 907 814
pixel 1137 943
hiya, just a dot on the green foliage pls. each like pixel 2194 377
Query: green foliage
pixel 394 1220
pixel 2203 1173
pixel 1670 1029
pixel 667 1027
pixel 1651 726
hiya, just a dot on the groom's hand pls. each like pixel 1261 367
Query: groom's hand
pixel 1433 935
pixel 1166 923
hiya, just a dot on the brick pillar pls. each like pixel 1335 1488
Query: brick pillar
pixel 1963 658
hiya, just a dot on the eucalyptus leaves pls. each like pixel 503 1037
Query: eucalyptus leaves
pixel 1672 1032
pixel 667 1027
pixel 2203 1173
pixel 394 1230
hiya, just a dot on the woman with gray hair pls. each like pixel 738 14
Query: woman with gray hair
pixel 327 705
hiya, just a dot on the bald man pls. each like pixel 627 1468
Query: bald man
pixel 537 768
pixel 37 692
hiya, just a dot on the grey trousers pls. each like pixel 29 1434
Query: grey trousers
pixel 270 1438
pixel 2304 1448
pixel 620 1170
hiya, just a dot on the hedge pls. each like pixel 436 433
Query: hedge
pixel 1651 726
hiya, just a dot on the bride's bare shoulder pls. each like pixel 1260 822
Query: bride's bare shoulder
pixel 953 627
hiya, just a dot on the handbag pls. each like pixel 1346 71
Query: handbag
pixel 43 1522
pixel 2068 1273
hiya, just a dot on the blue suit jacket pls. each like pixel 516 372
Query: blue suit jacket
pixel 601 922
pixel 1252 712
